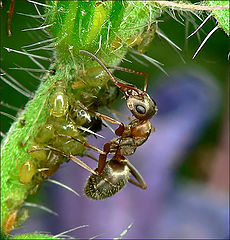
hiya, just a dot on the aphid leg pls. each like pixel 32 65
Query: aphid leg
pixel 140 181
pixel 72 157
pixel 146 75
pixel 10 14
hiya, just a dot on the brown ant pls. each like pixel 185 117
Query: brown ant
pixel 141 105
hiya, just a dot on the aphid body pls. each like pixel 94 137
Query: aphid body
pixel 58 100
pixel 27 171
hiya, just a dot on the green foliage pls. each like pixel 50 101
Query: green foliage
pixel 222 16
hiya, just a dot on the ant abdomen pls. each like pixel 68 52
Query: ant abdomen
pixel 113 178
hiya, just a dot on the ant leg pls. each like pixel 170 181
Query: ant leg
pixel 102 156
pixel 72 157
pixel 140 181
pixel 83 143
pixel 146 75
pixel 115 112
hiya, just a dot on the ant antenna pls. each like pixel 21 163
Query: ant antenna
pixel 118 84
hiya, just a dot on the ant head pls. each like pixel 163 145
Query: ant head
pixel 141 105
pixel 113 178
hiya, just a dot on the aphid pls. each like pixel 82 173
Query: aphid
pixel 141 105
pixel 142 41
pixel 83 118
pixel 27 171
pixel 58 100
pixel 146 39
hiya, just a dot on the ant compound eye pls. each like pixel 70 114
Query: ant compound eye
pixel 140 109
pixel 143 107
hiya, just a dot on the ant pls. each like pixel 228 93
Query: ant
pixel 141 105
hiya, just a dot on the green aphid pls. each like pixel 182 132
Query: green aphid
pixel 27 171
pixel 58 100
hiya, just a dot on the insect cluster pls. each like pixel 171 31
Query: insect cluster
pixel 64 133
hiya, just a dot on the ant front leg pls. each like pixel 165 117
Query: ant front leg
pixel 103 154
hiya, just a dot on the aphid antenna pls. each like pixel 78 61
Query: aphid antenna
pixel 15 83
pixel 68 231
pixel 124 232
pixel 90 131
pixel 37 28
pixel 63 185
pixel 25 93
pixel 35 205
pixel 28 54
pixel 205 40
pixel 8 115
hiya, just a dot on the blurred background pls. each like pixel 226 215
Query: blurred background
pixel 184 163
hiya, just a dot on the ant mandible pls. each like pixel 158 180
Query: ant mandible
pixel 141 105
